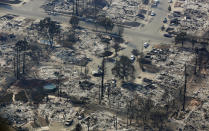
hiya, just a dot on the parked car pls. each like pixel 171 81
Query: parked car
pixel 146 44
pixel 170 1
pixel 169 29
pixel 177 14
pixel 152 13
pixel 141 16
pixel 96 73
pixel 174 22
pixel 165 20
pixel 69 122
pixel 132 58
pixel 167 35
pixel 154 5
pixel 113 82
pixel 157 1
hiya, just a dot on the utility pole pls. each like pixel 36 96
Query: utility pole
pixel 23 66
pixel 95 21
pixel 116 117
pixel 195 67
pixel 17 60
pixel 115 121
pixel 14 66
pixel 88 123
pixel 83 5
pixel 24 48
pixel 73 7
pixel 103 70
pixel 127 114
pixel 77 6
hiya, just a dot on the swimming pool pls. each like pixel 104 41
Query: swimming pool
pixel 50 87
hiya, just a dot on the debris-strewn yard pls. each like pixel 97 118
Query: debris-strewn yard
pixel 196 16
pixel 69 81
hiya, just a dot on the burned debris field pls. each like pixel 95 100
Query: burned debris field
pixel 104 65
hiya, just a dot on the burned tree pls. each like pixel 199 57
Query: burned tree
pixel 58 81
pixel 185 86
pixel 17 60
pixel 24 48
pixel 106 40
pixel 106 22
pixel 193 43
pixel 116 47
pixel 135 52
pixel 20 48
pixel 95 14
pixel 73 7
pixel 103 74
pixel 166 98
pixel 196 58
pixel 145 2
pixel 74 21
pixel 159 116
pixel 169 8
pixel 202 59
pixel 49 29
pixel 120 31
pixel 180 37
pixel 77 7
pixel 124 69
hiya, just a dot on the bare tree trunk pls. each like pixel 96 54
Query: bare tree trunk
pixel 116 122
pixel 131 111
pixel 17 67
pixel 23 67
pixel 85 71
pixel 88 124
pixel 95 17
pixel 73 7
pixel 83 5
pixel 127 116
pixel 185 84
pixel 195 67
pixel 14 61
pixel 76 7
pixel 193 44
pixel 81 70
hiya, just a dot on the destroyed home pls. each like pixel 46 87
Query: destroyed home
pixel 107 65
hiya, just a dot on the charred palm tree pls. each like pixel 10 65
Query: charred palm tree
pixel 17 60
pixel 24 48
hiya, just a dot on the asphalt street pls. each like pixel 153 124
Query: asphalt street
pixel 136 36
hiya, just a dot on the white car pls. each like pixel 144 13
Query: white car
pixel 94 72
pixel 152 13
pixel 146 44
pixel 157 1
pixel 170 1
pixel 132 58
